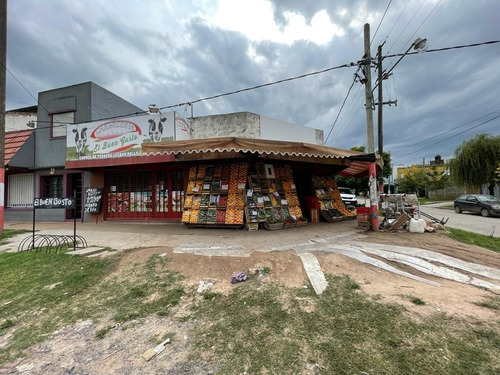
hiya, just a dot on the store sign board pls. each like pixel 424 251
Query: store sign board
pixel 93 198
pixel 54 202
pixel 122 137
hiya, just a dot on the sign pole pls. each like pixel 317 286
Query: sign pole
pixel 33 243
pixel 74 221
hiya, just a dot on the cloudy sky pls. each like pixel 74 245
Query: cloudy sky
pixel 170 52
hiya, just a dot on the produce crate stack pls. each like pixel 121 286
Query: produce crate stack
pixel 292 212
pixel 215 194
pixel 363 216
pixel 267 199
pixel 332 207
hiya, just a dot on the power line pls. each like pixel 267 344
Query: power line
pixel 410 21
pixel 445 48
pixel 351 64
pixel 380 23
pixel 341 107
pixel 446 131
pixel 435 50
pixel 346 65
pixel 422 24
pixel 397 21
pixel 466 130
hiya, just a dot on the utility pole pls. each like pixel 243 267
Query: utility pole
pixel 381 103
pixel 368 90
pixel 380 122
pixel 3 69
pixel 369 128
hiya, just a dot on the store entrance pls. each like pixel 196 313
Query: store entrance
pixel 144 194
pixel 74 189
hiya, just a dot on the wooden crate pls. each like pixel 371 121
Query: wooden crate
pixel 252 226
pixel 314 215
pixel 273 226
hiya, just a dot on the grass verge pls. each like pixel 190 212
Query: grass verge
pixel 488 242
pixel 423 201
pixel 9 233
pixel 40 292
pixel 273 330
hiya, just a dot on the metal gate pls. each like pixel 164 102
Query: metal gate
pixel 144 194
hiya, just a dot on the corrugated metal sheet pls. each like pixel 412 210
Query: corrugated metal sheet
pixel 14 141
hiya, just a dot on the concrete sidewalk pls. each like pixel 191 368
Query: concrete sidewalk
pixel 132 235
pixel 340 238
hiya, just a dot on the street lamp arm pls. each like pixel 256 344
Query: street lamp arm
pixel 419 45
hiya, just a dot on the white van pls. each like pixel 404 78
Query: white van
pixel 348 196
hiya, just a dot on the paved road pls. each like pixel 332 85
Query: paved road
pixel 466 221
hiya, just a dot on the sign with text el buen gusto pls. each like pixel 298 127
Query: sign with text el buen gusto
pixel 93 198
pixel 55 202
pixel 123 137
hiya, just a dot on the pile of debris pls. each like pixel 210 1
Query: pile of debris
pixel 402 213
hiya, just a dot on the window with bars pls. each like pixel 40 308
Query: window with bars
pixel 51 186
pixel 20 190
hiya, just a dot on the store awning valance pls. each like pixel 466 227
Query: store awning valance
pixel 354 163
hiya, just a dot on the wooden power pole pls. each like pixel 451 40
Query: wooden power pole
pixel 3 69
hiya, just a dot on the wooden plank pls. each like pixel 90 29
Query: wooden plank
pixel 404 217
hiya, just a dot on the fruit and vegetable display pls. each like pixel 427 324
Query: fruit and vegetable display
pixel 273 199
pixel 332 207
pixel 237 194
pixel 216 194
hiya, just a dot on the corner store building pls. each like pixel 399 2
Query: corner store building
pixel 142 162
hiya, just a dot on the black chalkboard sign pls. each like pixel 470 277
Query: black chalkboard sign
pixel 93 198
pixel 54 202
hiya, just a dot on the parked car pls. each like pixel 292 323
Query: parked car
pixel 486 205
pixel 348 196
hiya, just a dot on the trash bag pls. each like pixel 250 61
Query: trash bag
pixel 238 278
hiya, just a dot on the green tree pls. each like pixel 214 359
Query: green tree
pixel 436 178
pixel 476 161
pixel 414 179
pixel 387 169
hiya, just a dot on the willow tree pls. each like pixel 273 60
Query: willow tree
pixel 476 161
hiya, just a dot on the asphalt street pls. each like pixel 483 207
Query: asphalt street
pixel 471 222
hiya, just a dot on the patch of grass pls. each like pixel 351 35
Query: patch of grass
pixel 82 292
pixel 268 330
pixel 490 302
pixel 423 201
pixel 7 323
pixel 100 334
pixel 210 295
pixel 413 299
pixel 417 301
pixel 488 242
pixel 265 271
pixel 9 233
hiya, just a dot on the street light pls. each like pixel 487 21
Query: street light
pixel 419 45
pixel 153 108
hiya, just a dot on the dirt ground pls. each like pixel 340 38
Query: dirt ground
pixel 73 350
